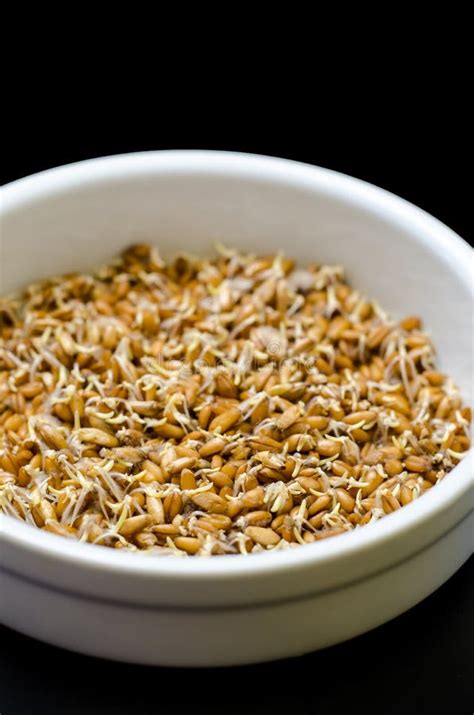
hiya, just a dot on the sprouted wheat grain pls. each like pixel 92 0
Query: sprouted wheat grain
pixel 216 406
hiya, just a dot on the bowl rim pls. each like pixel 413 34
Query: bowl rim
pixel 428 231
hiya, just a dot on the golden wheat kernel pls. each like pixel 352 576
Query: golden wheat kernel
pixel 406 495
pixel 14 422
pixel 346 501
pixel 234 507
pixel 361 416
pixel 436 379
pixel 229 469
pixel 172 505
pixel 392 451
pixel 414 463
pixel 320 504
pixel 187 479
pixel 393 467
pixel 165 529
pixel 361 435
pixel 213 446
pixel 134 524
pixel 177 465
pixel 31 390
pixel 155 509
pixel 377 335
pixel 317 422
pixel 372 480
pixel 264 536
pixel 54 527
pixel 189 544
pixel 152 472
pixel 288 417
pixel 8 464
pixel 329 532
pixel 145 540
pixel 337 326
pixel 226 420
pixel 307 482
pixel 220 480
pixel 170 431
pixel 340 468
pixel 460 443
pixel 253 498
pixel 204 523
pixel 138 499
pixel 23 478
pixel 216 461
pixel 389 503
pixel 249 482
pixel 24 456
pixel 258 518
pixel 410 323
pixel 52 436
pixel 328 447
pixel 212 503
pixel 97 437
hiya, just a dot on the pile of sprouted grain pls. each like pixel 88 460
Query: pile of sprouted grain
pixel 216 406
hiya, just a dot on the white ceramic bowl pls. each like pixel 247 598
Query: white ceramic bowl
pixel 236 609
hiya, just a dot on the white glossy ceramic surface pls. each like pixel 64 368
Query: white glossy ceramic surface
pixel 236 609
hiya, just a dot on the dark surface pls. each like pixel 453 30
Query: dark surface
pixel 422 662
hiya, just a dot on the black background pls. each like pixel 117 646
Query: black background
pixel 422 662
